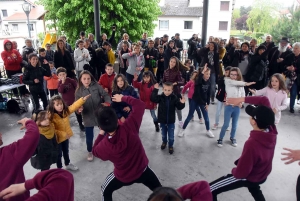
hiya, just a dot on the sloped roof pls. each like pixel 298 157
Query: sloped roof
pixel 180 8
pixel 36 13
pixel 21 1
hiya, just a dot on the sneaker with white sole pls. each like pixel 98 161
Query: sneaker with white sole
pixel 228 129
pixel 90 157
pixel 233 142
pixel 220 143
pixel 71 167
pixel 181 133
pixel 215 127
pixel 201 121
pixel 210 134
pixel 193 118
pixel 180 123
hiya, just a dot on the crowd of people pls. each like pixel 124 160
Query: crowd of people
pixel 84 82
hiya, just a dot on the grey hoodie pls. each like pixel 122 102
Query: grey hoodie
pixel 133 62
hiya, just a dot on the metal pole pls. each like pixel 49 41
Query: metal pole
pixel 28 25
pixel 204 22
pixel 97 19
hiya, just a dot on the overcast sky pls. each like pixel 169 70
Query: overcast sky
pixel 240 3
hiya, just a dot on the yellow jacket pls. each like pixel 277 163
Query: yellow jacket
pixel 62 124
pixel 111 56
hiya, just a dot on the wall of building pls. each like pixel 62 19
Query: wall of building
pixel 215 15
pixel 176 25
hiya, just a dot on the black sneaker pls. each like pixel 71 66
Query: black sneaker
pixel 171 150
pixel 292 111
pixel 82 128
pixel 220 143
pixel 233 142
pixel 163 146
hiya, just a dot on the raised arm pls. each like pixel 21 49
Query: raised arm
pixel 134 120
pixel 23 149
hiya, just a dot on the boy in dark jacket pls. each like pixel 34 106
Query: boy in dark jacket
pixel 160 64
pixel 255 163
pixel 34 77
pixel 150 55
pixel 168 102
pixel 121 145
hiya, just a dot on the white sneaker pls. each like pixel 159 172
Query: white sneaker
pixel 71 167
pixel 180 123
pixel 90 157
pixel 181 133
pixel 215 127
pixel 228 129
pixel 210 134
pixel 201 121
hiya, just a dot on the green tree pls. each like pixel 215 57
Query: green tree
pixel 72 16
pixel 262 15
pixel 235 15
pixel 245 10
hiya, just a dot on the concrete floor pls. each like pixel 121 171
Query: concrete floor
pixel 196 157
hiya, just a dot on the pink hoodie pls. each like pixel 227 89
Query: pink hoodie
pixel 278 100
pixel 191 86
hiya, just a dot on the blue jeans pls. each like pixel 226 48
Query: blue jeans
pixel 197 110
pixel 153 115
pixel 230 112
pixel 193 106
pixel 213 85
pixel 293 94
pixel 218 112
pixel 89 132
pixel 167 131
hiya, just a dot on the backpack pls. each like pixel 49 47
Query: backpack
pixel 13 107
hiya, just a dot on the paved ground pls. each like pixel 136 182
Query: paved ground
pixel 196 157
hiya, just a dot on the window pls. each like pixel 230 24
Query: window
pixel 163 24
pixel 6 27
pixel 4 13
pixel 31 27
pixel 188 24
pixel 224 6
pixel 14 27
pixel 223 25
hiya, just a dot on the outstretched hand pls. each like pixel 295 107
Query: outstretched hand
pixel 86 97
pixel 156 86
pixel 249 83
pixel 204 68
pixel 23 122
pixel 291 156
pixel 117 98
pixel 12 191
pixel 253 91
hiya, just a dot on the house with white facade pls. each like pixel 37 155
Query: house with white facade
pixel 13 20
pixel 185 17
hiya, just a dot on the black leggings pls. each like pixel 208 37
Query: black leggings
pixel 229 182
pixel 148 178
pixel 53 92
pixel 298 188
pixel 36 96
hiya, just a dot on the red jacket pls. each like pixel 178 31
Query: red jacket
pixel 12 59
pixel 52 82
pixel 125 149
pixel 255 163
pixel 55 184
pixel 145 93
pixel 14 156
pixel 106 81
pixel 197 191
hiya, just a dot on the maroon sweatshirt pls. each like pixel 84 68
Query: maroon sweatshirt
pixel 255 163
pixel 67 90
pixel 197 191
pixel 14 156
pixel 53 185
pixel 125 149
